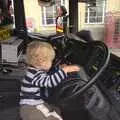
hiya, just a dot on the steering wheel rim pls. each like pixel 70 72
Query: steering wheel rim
pixel 68 83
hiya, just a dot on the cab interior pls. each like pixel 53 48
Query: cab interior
pixel 91 94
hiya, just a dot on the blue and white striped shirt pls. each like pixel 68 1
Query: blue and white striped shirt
pixel 35 84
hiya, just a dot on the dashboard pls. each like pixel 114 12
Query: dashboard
pixel 110 82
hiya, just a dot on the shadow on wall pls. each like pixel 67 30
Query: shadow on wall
pixel 85 35
pixel 97 33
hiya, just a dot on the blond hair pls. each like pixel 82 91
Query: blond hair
pixel 39 53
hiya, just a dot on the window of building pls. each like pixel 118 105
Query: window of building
pixel 95 13
pixel 49 13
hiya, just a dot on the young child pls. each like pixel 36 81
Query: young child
pixel 40 56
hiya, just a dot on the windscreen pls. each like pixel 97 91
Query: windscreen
pixel 40 18
pixel 100 17
pixel 6 18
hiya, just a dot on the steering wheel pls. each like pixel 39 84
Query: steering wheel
pixel 75 86
pixel 99 56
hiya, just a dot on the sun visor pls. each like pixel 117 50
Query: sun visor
pixel 90 2
pixel 87 1
pixel 46 2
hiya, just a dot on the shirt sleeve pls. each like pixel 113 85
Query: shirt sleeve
pixel 49 80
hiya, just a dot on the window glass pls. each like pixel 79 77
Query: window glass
pixel 41 18
pixel 6 19
pixel 48 15
pixel 6 12
pixel 95 14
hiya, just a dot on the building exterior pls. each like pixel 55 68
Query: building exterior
pixel 94 18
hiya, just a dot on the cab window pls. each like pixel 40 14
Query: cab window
pixel 41 18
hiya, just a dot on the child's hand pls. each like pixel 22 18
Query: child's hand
pixel 63 65
pixel 70 68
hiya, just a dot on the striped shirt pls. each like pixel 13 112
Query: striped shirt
pixel 35 84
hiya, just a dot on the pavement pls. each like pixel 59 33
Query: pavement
pixel 115 51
